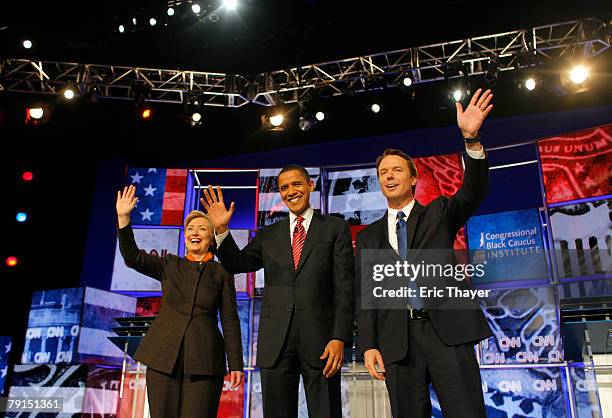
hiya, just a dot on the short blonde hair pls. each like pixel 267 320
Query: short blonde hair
pixel 197 214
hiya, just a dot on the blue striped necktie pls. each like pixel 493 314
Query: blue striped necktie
pixel 402 235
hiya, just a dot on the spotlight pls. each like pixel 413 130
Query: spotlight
pixel 27 44
pixel 320 116
pixel 530 84
pixel 134 21
pixel 170 11
pixel 407 81
pixel 196 8
pixel 152 21
pixel 579 74
pixel 375 108
pixel 69 94
pixel 36 113
pixel 305 123
pixel 277 120
pixel 458 95
pixel 230 4
pixel 12 261
pixel 21 217
pixel 193 108
pixel 146 113
pixel 27 176
pixel 491 74
pixel 274 119
pixel 121 28
pixel 140 92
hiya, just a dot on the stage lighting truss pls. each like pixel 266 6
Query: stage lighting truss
pixel 424 64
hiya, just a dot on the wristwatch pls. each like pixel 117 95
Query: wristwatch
pixel 472 140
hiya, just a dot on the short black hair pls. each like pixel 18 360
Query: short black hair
pixel 295 167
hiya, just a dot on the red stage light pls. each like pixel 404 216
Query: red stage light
pixel 11 261
pixel 146 114
pixel 27 176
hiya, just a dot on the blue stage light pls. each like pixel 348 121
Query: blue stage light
pixel 22 217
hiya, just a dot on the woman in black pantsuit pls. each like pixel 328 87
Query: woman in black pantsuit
pixel 184 350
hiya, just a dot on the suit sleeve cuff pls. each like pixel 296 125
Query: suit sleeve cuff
pixel 219 238
pixel 477 155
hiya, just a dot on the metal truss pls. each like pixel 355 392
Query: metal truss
pixel 507 51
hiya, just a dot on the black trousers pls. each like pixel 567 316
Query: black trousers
pixel 453 371
pixel 180 395
pixel 280 384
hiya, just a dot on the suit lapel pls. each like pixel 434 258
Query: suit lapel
pixel 383 232
pixel 412 222
pixel 317 225
pixel 282 236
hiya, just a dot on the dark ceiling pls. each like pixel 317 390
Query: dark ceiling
pixel 263 34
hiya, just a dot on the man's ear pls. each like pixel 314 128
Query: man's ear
pixel 311 185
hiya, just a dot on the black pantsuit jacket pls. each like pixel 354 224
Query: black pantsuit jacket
pixel 319 293
pixel 193 294
pixel 429 227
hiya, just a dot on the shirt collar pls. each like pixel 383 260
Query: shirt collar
pixel 307 215
pixel 206 258
pixel 392 213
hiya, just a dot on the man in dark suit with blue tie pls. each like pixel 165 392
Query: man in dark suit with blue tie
pixel 427 342
pixel 306 314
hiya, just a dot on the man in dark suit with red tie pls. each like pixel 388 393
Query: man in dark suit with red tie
pixel 428 341
pixel 306 314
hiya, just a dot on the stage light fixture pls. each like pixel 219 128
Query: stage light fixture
pixel 27 176
pixel 193 110
pixel 458 95
pixel 69 93
pixel 230 4
pixel 375 108
pixel 579 74
pixel 277 120
pixel 491 73
pixel 12 261
pixel 530 84
pixel 121 28
pixel 134 21
pixel 407 81
pixel 320 116
pixel 140 91
pixel 21 217
pixel 27 44
pixel 152 21
pixel 305 123
pixel 195 8
pixel 146 113
pixel 36 113
pixel 170 11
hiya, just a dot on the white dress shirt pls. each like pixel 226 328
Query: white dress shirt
pixel 392 222
pixel 307 215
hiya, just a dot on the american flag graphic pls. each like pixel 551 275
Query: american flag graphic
pixel 161 194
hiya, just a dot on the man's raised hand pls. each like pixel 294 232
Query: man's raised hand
pixel 470 120
pixel 215 207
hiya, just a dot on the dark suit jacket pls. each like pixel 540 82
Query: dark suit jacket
pixel 429 227
pixel 192 295
pixel 319 293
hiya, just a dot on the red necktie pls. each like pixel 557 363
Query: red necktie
pixel 299 236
